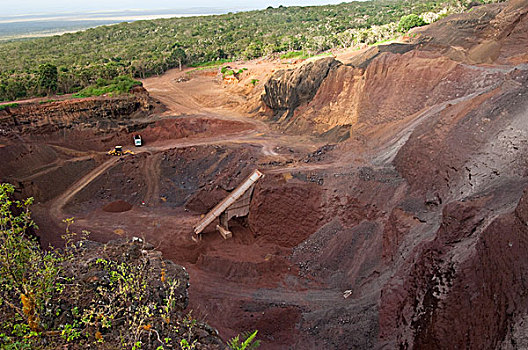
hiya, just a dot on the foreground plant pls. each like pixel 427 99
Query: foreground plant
pixel 249 343
pixel 28 275
pixel 118 295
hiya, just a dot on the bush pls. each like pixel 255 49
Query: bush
pixel 293 54
pixel 28 275
pixel 8 105
pixel 52 298
pixel 119 85
pixel 209 63
pixel 410 21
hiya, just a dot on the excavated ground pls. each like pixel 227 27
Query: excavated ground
pixel 409 233
pixel 187 164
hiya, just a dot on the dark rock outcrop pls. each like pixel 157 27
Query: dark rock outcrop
pixel 288 89
pixel 144 297
pixel 363 60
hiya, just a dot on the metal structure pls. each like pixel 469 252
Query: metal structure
pixel 236 204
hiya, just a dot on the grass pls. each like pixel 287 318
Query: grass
pixel 388 40
pixel 294 54
pixel 8 105
pixel 302 55
pixel 116 86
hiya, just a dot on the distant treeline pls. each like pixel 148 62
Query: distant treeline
pixel 72 62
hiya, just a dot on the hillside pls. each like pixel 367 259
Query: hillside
pixel 145 48
pixel 393 208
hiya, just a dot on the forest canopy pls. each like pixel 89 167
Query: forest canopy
pixel 72 62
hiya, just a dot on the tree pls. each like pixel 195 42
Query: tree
pixel 410 21
pixel 48 78
pixel 253 50
pixel 15 89
pixel 178 55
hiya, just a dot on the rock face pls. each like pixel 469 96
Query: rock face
pixel 453 296
pixel 429 236
pixel 287 90
pixel 389 83
pixel 89 112
pixel 122 277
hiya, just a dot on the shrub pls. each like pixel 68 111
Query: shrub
pixel 249 342
pixel 121 294
pixel 28 275
pixel 119 85
pixel 410 21
pixel 293 54
pixel 8 105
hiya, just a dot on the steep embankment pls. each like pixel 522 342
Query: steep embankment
pixel 45 117
pixel 391 83
pixel 431 240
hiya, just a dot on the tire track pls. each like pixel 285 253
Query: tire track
pixel 58 203
pixel 151 171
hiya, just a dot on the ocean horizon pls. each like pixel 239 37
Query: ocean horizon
pixel 25 26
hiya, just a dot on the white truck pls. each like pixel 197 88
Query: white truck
pixel 138 142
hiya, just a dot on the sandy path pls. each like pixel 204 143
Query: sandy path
pixel 152 175
pixel 59 202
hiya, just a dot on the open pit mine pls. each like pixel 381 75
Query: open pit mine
pixel 372 201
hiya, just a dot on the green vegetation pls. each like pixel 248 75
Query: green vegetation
pixel 87 297
pixel 410 21
pixel 8 105
pixel 228 71
pixel 48 78
pixel 28 276
pixel 144 48
pixel 116 86
pixel 249 342
pixel 294 54
pixel 210 64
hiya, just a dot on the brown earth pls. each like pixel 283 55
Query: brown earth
pixel 117 207
pixel 409 234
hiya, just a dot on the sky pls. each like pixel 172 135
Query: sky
pixel 18 7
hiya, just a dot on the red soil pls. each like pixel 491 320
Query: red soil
pixel 117 207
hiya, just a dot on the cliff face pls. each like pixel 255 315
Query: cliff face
pixel 287 90
pixel 38 118
pixel 429 236
pixel 466 288
pixel 390 83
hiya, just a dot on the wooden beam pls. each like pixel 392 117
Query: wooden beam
pixel 228 201
pixel 225 233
